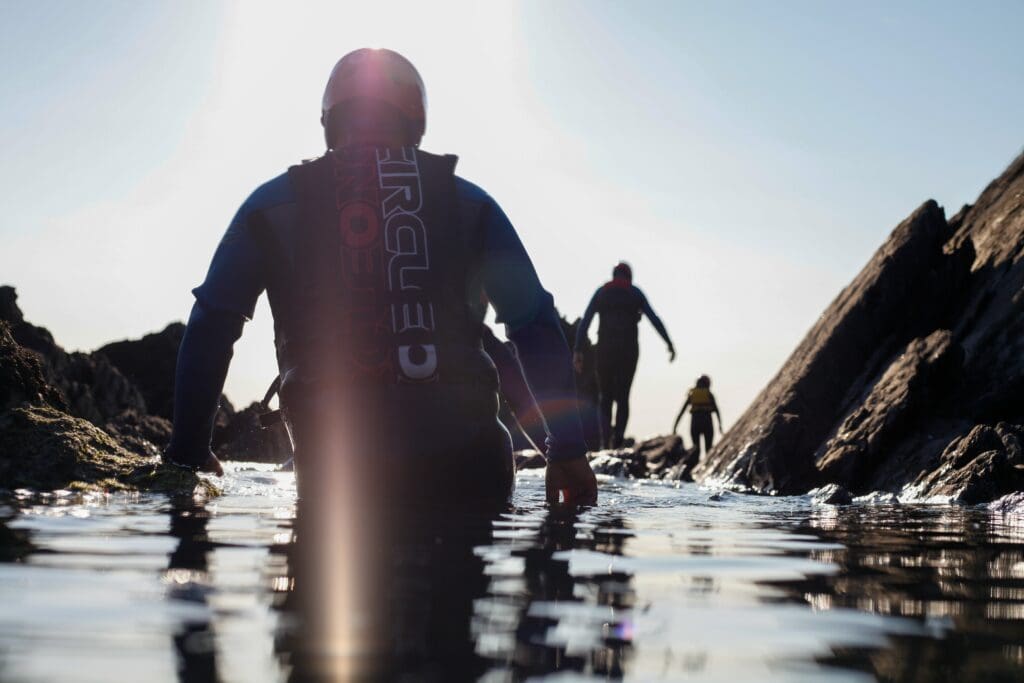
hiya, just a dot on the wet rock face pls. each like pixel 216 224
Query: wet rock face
pixel 926 343
pixel 905 390
pixel 983 465
pixel 44 448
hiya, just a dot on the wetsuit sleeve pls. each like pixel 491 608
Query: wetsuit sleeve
pixel 203 360
pixel 225 300
pixel 645 306
pixel 588 317
pixel 531 323
pixel 237 274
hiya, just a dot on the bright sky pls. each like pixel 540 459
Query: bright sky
pixel 746 158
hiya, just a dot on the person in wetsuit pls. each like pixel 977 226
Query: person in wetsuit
pixel 375 258
pixel 620 305
pixel 702 404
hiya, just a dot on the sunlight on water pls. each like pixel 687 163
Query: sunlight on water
pixel 659 583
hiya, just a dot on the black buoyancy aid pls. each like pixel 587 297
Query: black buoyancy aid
pixel 377 293
pixel 619 308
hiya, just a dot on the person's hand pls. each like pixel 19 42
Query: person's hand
pixel 211 464
pixel 577 362
pixel 573 479
pixel 671 353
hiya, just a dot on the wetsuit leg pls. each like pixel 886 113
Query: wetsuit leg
pixel 607 384
pixel 701 426
pixel 625 368
pixel 695 433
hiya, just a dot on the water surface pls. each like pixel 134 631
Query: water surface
pixel 661 582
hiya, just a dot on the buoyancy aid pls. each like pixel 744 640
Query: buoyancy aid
pixel 701 400
pixel 619 308
pixel 377 292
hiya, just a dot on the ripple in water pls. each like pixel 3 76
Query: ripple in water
pixel 658 583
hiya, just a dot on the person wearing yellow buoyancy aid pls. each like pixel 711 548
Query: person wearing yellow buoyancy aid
pixel 702 404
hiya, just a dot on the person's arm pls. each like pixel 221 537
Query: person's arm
pixel 714 407
pixel 528 313
pixel 224 301
pixel 682 411
pixel 584 326
pixel 645 306
pixel 581 333
pixel 203 360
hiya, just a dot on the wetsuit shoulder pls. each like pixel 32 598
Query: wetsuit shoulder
pixel 235 278
pixel 471 193
pixel 274 192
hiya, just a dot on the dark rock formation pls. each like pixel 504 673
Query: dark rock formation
pixel 245 438
pixel 140 433
pixel 92 388
pixel 924 345
pixel 44 448
pixel 149 363
pixel 831 494
pixel 21 375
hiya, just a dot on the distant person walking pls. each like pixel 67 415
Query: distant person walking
pixel 620 305
pixel 702 403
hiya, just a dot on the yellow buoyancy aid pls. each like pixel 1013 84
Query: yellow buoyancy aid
pixel 701 400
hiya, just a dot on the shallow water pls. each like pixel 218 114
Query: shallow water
pixel 658 583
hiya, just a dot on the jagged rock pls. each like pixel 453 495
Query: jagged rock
pixel 830 494
pixel 899 295
pixel 43 448
pixel 92 388
pixel 244 438
pixel 981 466
pixel 926 342
pixel 889 410
pixel 21 375
pixel 150 363
pixel 611 463
pixel 145 435
pixel 1010 504
pixel 665 457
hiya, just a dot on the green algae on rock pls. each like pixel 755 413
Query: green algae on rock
pixel 44 448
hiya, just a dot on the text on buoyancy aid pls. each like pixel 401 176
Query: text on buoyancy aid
pixel 408 262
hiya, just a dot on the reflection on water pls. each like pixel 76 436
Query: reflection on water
pixel 659 583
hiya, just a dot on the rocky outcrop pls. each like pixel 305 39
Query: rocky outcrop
pixel 244 437
pixel 921 350
pixel 21 375
pixel 45 446
pixel 92 388
pixel 149 363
